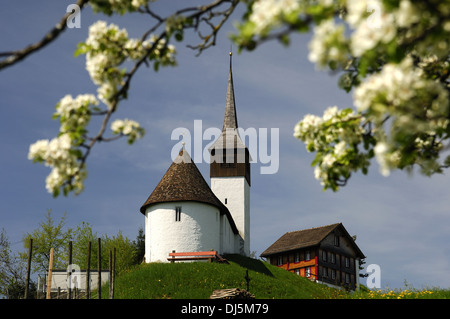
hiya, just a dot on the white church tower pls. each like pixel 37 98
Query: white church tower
pixel 230 170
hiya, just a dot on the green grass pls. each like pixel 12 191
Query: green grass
pixel 198 280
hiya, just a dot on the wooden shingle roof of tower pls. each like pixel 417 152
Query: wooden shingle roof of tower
pixel 230 118
pixel 184 182
pixel 229 138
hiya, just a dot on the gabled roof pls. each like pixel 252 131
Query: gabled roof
pixel 184 182
pixel 306 238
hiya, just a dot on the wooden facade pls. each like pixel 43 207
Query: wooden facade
pixel 224 165
pixel 325 254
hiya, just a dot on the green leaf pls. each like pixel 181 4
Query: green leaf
pixel 82 48
pixel 156 66
pixel 55 192
pixel 447 161
pixel 285 40
pixel 179 36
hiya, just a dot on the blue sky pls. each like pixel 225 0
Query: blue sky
pixel 402 222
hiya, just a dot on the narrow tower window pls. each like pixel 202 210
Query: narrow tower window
pixel 226 201
pixel 178 213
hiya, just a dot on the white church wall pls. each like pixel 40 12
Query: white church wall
pixel 228 238
pixel 197 230
pixel 234 193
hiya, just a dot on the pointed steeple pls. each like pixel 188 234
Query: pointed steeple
pixel 229 155
pixel 230 136
pixel 230 119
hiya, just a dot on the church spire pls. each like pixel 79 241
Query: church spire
pixel 230 118
pixel 229 155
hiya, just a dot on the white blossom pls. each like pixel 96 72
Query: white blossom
pixel 119 6
pixel 340 149
pixel 407 14
pixel 397 85
pixel 367 36
pixel 57 154
pixel 381 153
pixel 328 44
pixel 74 113
pixel 129 128
pixel 268 13
pixel 37 151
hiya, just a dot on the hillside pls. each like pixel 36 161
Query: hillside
pixel 198 280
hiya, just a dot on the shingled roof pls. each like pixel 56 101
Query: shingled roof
pixel 229 137
pixel 184 182
pixel 305 238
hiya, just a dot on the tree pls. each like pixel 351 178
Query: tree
pixel 392 54
pixel 12 272
pixel 48 236
pixel 125 252
pixel 139 246
pixel 81 238
pixel 108 49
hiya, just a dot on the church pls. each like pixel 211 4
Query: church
pixel 185 214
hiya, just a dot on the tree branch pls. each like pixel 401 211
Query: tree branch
pixel 13 57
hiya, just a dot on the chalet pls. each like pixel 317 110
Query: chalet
pixel 326 254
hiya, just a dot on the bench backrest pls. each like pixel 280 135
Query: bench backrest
pixel 196 253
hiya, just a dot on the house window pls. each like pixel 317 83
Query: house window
pixel 308 272
pixel 178 213
pixel 297 257
pixel 333 274
pixel 324 255
pixel 307 255
pixel 333 258
pixel 325 272
pixel 347 278
pixel 347 262
pixel 280 260
pixel 336 240
pixel 297 271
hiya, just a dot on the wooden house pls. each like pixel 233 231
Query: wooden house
pixel 326 254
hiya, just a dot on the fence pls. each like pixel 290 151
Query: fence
pixel 74 283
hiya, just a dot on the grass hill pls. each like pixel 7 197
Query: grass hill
pixel 199 279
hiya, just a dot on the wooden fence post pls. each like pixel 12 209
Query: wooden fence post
pixel 87 271
pixel 99 262
pixel 27 284
pixel 113 272
pixel 110 274
pixel 50 269
pixel 69 288
pixel 247 279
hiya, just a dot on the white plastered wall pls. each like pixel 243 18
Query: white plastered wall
pixel 234 193
pixel 198 229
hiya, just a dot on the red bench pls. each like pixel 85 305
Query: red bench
pixel 211 256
